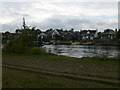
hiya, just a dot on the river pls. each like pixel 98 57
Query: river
pixel 84 50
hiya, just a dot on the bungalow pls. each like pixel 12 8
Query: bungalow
pixel 68 36
pixel 83 34
pixel 93 34
pixel 19 31
pixel 6 35
pixel 42 35
pixel 88 34
pixel 49 32
pixel 108 34
pixel 55 32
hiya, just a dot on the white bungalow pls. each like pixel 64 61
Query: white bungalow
pixel 55 32
pixel 42 35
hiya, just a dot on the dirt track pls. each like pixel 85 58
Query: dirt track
pixel 90 72
pixel 72 76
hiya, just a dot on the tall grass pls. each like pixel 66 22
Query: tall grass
pixel 36 51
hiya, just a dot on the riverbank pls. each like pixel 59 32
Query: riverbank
pixel 85 43
pixel 34 71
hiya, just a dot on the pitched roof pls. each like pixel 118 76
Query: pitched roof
pixel 55 32
pixel 92 31
pixel 108 31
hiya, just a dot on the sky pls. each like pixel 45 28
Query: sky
pixel 66 14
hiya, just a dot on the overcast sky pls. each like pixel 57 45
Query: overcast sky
pixel 64 14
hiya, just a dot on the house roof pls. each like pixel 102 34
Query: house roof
pixel 108 31
pixel 19 30
pixel 43 34
pixel 92 31
pixel 55 32
pixel 49 31
pixel 83 32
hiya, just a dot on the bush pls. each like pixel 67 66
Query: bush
pixel 40 51
pixel 21 44
pixel 15 47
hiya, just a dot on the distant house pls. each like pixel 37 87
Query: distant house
pixel 15 35
pixel 38 31
pixel 49 32
pixel 88 34
pixel 55 32
pixel 19 31
pixel 93 34
pixel 60 31
pixel 35 31
pixel 77 35
pixel 108 34
pixel 83 34
pixel 42 35
pixel 6 35
pixel 68 36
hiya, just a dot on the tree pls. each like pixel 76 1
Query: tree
pixel 72 30
pixel 118 35
pixel 21 44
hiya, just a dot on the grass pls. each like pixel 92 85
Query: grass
pixel 106 68
pixel 22 79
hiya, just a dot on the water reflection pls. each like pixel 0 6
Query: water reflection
pixel 84 50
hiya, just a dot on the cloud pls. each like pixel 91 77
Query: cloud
pixel 74 22
pixel 60 0
pixel 59 14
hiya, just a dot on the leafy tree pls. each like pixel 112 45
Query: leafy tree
pixel 21 44
pixel 118 34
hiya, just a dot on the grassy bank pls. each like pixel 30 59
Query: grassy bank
pixel 99 68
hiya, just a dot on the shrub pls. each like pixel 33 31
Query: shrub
pixel 40 51
pixel 15 47
pixel 21 44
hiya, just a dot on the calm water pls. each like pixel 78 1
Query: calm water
pixel 84 51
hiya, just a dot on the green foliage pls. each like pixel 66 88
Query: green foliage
pixel 101 58
pixel 27 39
pixel 3 41
pixel 21 44
pixel 46 39
pixel 88 67
pixel 15 46
pixel 118 34
pixel 39 51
